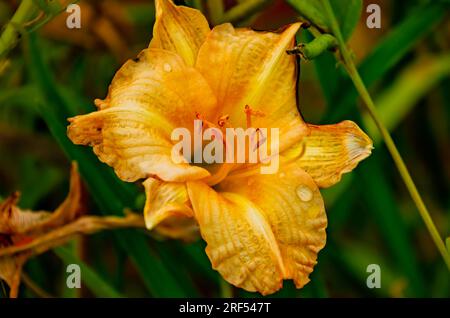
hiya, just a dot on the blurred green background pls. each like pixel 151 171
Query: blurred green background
pixel 54 72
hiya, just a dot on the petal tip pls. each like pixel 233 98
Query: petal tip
pixel 358 143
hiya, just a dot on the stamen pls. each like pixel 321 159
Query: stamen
pixel 223 120
pixel 251 112
pixel 204 121
pixel 217 129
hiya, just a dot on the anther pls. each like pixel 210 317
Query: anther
pixel 204 121
pixel 223 120
pixel 251 112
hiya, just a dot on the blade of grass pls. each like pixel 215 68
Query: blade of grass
pixel 92 280
pixel 385 56
pixel 396 101
pixel 380 201
pixel 111 195
pixel 355 258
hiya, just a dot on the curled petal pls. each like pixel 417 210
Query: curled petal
pixel 179 29
pixel 129 140
pixel 245 67
pixel 168 210
pixel 14 221
pixel 332 150
pixel 71 208
pixel 292 204
pixel 179 227
pixel 241 245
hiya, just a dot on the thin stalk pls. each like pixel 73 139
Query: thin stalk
pixel 10 35
pixel 398 160
pixel 36 289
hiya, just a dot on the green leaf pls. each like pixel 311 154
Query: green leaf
pixel 355 258
pixel 447 243
pixel 311 11
pixel 92 280
pixel 385 56
pixel 347 13
pixel 409 88
pixel 326 71
pixel 381 203
pixel 111 195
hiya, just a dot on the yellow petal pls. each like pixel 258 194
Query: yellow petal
pixel 331 150
pixel 148 98
pixel 129 140
pixel 163 200
pixel 292 204
pixel 168 210
pixel 241 245
pixel 179 29
pixel 245 67
pixel 179 227
pixel 160 82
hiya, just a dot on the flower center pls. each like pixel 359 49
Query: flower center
pixel 255 140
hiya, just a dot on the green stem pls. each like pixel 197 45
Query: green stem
pixel 398 160
pixel 10 35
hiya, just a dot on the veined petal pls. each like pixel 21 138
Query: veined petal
pixel 292 204
pixel 179 29
pixel 245 67
pixel 160 82
pixel 241 245
pixel 133 143
pixel 332 150
pixel 168 210
pixel 165 199
pixel 147 99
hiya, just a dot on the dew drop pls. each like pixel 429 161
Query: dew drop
pixel 167 68
pixel 304 193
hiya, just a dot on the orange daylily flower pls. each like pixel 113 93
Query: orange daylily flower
pixel 260 229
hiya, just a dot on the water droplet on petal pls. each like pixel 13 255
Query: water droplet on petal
pixel 304 193
pixel 167 68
